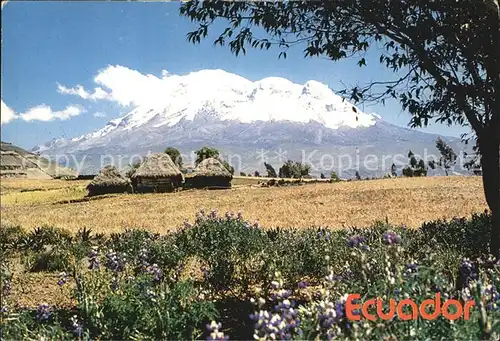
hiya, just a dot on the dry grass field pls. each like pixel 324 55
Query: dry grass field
pixel 409 201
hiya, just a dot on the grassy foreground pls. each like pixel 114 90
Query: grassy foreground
pixel 252 282
pixel 409 201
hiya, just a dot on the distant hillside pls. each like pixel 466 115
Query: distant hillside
pixel 17 162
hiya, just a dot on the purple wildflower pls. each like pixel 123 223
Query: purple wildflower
pixel 156 272
pixel 77 327
pixel 282 322
pixel 213 326
pixel 63 277
pixel 142 258
pixel 468 271
pixel 43 312
pixel 302 284
pixel 412 266
pixel 329 315
pixel 93 257
pixel 324 234
pixel 115 262
pixel 391 238
pixel 215 334
pixel 356 241
pixel 229 216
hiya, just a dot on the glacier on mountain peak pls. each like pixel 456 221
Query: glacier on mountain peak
pixel 218 94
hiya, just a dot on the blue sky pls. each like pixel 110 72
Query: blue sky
pixel 68 43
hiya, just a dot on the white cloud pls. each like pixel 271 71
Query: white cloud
pixel 99 114
pixel 126 87
pixel 42 113
pixel 45 113
pixel 6 114
pixel 98 93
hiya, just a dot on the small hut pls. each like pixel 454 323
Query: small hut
pixel 158 173
pixel 210 173
pixel 109 180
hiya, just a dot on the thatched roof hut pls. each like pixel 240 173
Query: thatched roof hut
pixel 210 173
pixel 158 173
pixel 109 180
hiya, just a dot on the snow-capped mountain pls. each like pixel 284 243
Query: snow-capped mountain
pixel 214 107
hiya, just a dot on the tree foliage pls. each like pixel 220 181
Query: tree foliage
pixel 206 153
pixel 132 167
pixel 446 52
pixel 294 169
pixel 209 152
pixel 416 167
pixel 357 175
pixel 448 156
pixel 271 172
pixel 227 166
pixel 175 155
pixel 394 170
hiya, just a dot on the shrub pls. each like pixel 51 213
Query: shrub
pixel 41 237
pixel 230 246
pixel 357 175
pixel 469 236
pixel 49 248
pixel 11 237
pixel 334 177
pixel 115 306
pixel 408 172
pixel 415 167
pixel 141 308
pixel 294 169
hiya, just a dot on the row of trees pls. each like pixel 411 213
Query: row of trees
pixel 417 167
pixel 201 154
pixel 296 170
